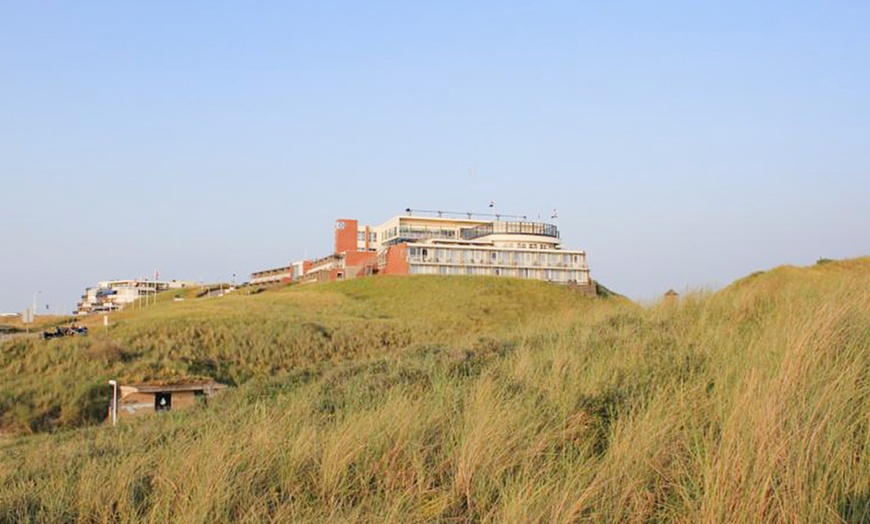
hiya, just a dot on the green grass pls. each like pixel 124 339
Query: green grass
pixel 461 400
pixel 46 385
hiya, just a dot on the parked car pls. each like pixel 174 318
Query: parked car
pixel 65 332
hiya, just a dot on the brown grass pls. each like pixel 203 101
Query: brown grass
pixel 748 405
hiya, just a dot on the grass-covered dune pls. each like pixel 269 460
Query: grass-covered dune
pixel 460 400
pixel 61 383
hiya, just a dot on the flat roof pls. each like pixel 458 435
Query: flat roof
pixel 174 386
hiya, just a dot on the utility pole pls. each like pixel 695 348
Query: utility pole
pixel 114 384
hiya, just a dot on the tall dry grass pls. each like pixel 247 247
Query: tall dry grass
pixel 750 404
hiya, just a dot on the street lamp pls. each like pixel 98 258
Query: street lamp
pixel 114 385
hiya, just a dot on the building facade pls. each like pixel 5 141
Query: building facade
pixel 507 248
pixel 419 244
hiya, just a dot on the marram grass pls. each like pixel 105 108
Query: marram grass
pixel 470 400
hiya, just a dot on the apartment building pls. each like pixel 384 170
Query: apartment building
pixel 440 243
pixel 464 246
pixel 112 295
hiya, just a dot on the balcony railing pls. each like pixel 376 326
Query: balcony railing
pixel 433 260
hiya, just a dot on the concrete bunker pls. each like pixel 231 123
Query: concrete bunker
pixel 137 399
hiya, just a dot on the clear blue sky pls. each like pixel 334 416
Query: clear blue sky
pixel 684 144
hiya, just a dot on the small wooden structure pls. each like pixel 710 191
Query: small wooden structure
pixel 135 400
pixel 671 297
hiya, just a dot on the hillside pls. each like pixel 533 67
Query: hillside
pixel 291 330
pixel 428 399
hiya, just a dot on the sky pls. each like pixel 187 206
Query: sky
pixel 684 144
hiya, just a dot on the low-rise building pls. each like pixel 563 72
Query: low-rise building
pixel 112 295
pixel 280 275
pixel 134 400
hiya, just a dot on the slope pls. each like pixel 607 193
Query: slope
pixel 62 383
pixel 750 404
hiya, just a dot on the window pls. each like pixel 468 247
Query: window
pixel 373 237
pixel 361 236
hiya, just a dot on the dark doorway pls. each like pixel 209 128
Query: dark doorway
pixel 162 401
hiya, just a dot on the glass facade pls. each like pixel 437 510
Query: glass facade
pixel 511 228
